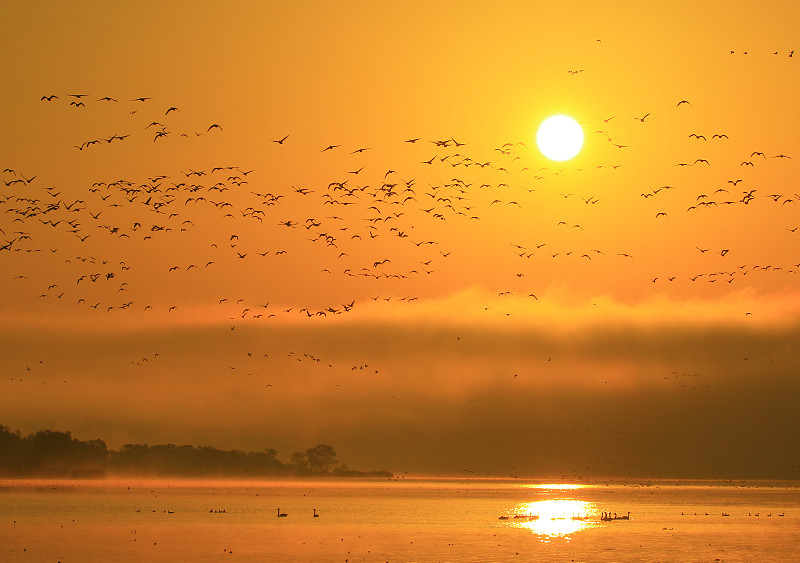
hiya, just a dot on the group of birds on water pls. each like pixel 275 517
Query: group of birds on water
pixel 314 513
pixel 727 514
pixel 605 516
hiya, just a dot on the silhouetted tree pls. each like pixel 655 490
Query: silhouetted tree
pixel 54 453
pixel 58 453
pixel 14 453
pixel 50 452
pixel 299 463
pixel 319 459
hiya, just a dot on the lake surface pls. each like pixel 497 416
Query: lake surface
pixel 396 520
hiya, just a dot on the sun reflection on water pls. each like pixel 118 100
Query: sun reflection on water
pixel 554 517
pixel 555 486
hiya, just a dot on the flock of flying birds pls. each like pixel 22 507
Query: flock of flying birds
pixel 363 228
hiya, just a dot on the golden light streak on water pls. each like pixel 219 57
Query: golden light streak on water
pixel 555 517
pixel 555 486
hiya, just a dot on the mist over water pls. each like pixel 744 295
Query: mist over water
pixel 397 520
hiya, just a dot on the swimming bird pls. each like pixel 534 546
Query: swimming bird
pixel 282 514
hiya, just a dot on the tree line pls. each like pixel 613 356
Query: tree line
pixel 50 453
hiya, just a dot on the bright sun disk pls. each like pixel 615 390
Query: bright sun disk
pixel 559 137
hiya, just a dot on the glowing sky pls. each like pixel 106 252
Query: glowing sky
pixel 344 233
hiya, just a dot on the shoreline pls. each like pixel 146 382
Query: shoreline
pixel 140 481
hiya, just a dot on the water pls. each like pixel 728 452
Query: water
pixel 399 520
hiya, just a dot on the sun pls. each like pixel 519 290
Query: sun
pixel 559 137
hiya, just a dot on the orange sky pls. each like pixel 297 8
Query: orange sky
pixel 454 303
